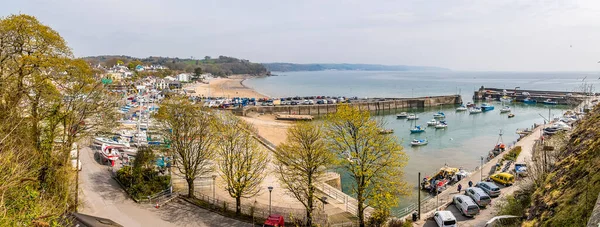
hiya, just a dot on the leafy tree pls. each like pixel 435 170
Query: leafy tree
pixel 301 162
pixel 242 163
pixel 120 62
pixel 191 131
pixel 373 160
pixel 197 73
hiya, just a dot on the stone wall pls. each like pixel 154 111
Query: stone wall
pixel 384 106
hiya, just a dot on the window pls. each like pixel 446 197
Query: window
pixel 450 222
pixel 459 200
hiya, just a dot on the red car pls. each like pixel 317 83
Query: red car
pixel 274 220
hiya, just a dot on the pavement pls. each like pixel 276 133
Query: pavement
pixel 101 196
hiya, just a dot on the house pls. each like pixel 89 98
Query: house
pixel 170 78
pixel 183 77
pixel 161 84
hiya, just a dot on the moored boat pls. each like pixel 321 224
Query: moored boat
pixel 505 109
pixel 412 117
pixel 432 122
pixel 529 101
pixel 511 115
pixel 474 110
pixel 470 104
pixel 439 115
pixel 417 129
pixel 402 115
pixel 461 108
pixel 486 107
pixel 550 102
pixel 419 142
pixel 505 99
pixel 441 125
pixel 102 140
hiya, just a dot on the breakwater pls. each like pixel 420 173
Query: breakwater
pixel 378 105
pixel 561 97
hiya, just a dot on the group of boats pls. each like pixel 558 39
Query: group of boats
pixel 437 122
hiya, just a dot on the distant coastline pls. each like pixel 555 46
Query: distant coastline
pixel 292 67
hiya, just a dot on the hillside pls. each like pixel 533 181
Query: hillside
pixel 287 67
pixel 568 194
pixel 221 66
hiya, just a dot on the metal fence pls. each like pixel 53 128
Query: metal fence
pixel 260 212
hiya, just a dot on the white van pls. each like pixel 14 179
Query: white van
pixel 444 218
pixel 465 205
pixel 479 196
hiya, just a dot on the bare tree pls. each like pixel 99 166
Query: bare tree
pixel 242 163
pixel 190 129
pixel 302 160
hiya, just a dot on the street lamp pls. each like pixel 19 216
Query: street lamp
pixel 214 178
pixel 481 169
pixel 270 190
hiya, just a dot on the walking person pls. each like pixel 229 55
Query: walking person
pixel 470 184
pixel 459 188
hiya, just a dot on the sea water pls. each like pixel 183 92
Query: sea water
pixel 468 136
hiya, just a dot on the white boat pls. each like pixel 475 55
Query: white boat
pixel 412 117
pixel 505 99
pixel 102 140
pixel 461 108
pixel 439 115
pixel 475 110
pixel 417 142
pixel 441 125
pixel 432 122
pixel 402 115
pixel 505 109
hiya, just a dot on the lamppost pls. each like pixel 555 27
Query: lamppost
pixel 270 190
pixel 214 178
pixel 481 169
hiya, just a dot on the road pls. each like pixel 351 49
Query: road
pixel 101 196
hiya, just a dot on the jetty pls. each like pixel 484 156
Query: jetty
pixel 561 97
pixel 378 105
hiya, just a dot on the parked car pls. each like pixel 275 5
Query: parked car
pixel 489 187
pixel 503 178
pixel 479 196
pixel 274 220
pixel 465 205
pixel 503 220
pixel 444 218
pixel 521 169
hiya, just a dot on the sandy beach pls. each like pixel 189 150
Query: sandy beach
pixel 224 87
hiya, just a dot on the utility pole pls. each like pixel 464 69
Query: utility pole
pixel 419 195
pixel 481 169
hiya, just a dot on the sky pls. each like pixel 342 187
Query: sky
pixel 462 35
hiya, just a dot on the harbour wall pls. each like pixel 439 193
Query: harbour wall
pixel 562 97
pixel 378 105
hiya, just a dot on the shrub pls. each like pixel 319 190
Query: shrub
pixel 512 154
pixel 142 183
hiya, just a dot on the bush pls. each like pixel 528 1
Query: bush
pixel 142 179
pixel 512 154
pixel 395 222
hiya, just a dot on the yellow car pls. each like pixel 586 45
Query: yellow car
pixel 503 178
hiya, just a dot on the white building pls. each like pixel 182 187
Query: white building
pixel 183 77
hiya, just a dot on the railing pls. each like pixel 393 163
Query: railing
pixel 410 208
pixel 260 211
